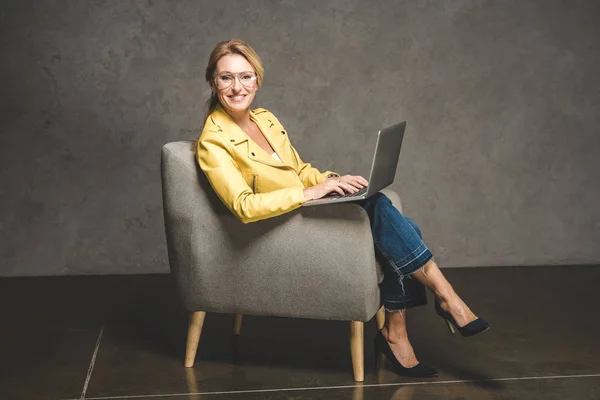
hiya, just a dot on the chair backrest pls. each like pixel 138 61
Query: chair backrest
pixel 187 197
pixel 200 230
pixel 182 175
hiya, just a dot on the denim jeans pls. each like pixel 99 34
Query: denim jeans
pixel 400 250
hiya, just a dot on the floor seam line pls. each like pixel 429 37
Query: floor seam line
pixel 92 363
pixel 345 386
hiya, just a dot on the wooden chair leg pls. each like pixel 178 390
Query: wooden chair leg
pixel 194 331
pixel 357 349
pixel 237 324
pixel 380 318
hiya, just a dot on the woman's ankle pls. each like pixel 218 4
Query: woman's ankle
pixel 448 299
pixel 459 310
pixel 394 336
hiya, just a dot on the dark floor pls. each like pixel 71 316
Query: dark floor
pixel 123 337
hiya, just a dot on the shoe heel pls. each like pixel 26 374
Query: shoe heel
pixel 450 327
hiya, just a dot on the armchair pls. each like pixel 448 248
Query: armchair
pixel 314 262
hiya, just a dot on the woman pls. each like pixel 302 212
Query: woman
pixel 252 166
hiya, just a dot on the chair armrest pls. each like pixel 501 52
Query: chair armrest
pixel 315 262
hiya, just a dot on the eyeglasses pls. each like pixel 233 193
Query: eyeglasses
pixel 246 78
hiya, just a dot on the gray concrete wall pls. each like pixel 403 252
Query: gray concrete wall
pixel 499 166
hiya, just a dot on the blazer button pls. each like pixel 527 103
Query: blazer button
pixel 232 140
pixel 253 154
pixel 283 132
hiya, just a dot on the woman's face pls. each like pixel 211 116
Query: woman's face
pixel 237 97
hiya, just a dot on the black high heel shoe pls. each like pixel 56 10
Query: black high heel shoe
pixel 472 328
pixel 418 371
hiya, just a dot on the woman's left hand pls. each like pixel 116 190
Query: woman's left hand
pixel 356 181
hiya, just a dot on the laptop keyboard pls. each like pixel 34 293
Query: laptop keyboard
pixel 357 194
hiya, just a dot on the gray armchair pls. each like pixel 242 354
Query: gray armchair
pixel 314 262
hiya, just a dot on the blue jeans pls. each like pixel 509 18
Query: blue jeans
pixel 400 249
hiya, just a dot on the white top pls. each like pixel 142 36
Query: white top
pixel 275 156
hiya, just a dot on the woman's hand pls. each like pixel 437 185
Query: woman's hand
pixel 354 180
pixel 340 185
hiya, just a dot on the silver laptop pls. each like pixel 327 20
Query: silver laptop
pixel 383 168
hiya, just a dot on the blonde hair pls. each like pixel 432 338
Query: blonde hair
pixel 222 49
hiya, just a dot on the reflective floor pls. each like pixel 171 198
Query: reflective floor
pixel 123 337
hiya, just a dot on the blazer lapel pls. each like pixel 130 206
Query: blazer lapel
pixel 230 130
pixel 241 140
pixel 275 138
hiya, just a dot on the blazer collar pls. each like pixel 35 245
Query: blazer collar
pixel 232 133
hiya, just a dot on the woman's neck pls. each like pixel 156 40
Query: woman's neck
pixel 241 118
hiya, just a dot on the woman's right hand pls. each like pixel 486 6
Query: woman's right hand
pixel 329 186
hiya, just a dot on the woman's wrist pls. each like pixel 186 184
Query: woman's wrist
pixel 308 194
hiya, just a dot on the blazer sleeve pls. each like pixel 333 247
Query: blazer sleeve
pixel 219 166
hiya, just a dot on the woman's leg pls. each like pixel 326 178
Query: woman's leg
pixel 433 278
pixel 398 296
pixel 394 329
pixel 401 251
pixel 395 333
pixel 408 267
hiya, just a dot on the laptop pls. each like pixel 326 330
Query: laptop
pixel 383 168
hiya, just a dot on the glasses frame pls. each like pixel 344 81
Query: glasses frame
pixel 236 76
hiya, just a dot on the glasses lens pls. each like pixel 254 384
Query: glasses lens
pixel 224 81
pixel 248 79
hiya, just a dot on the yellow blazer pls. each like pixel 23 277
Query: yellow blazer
pixel 249 181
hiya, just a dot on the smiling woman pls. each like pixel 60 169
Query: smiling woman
pixel 227 58
pixel 236 90
pixel 251 164
pixel 246 154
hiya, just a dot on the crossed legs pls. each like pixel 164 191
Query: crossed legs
pixel 394 329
